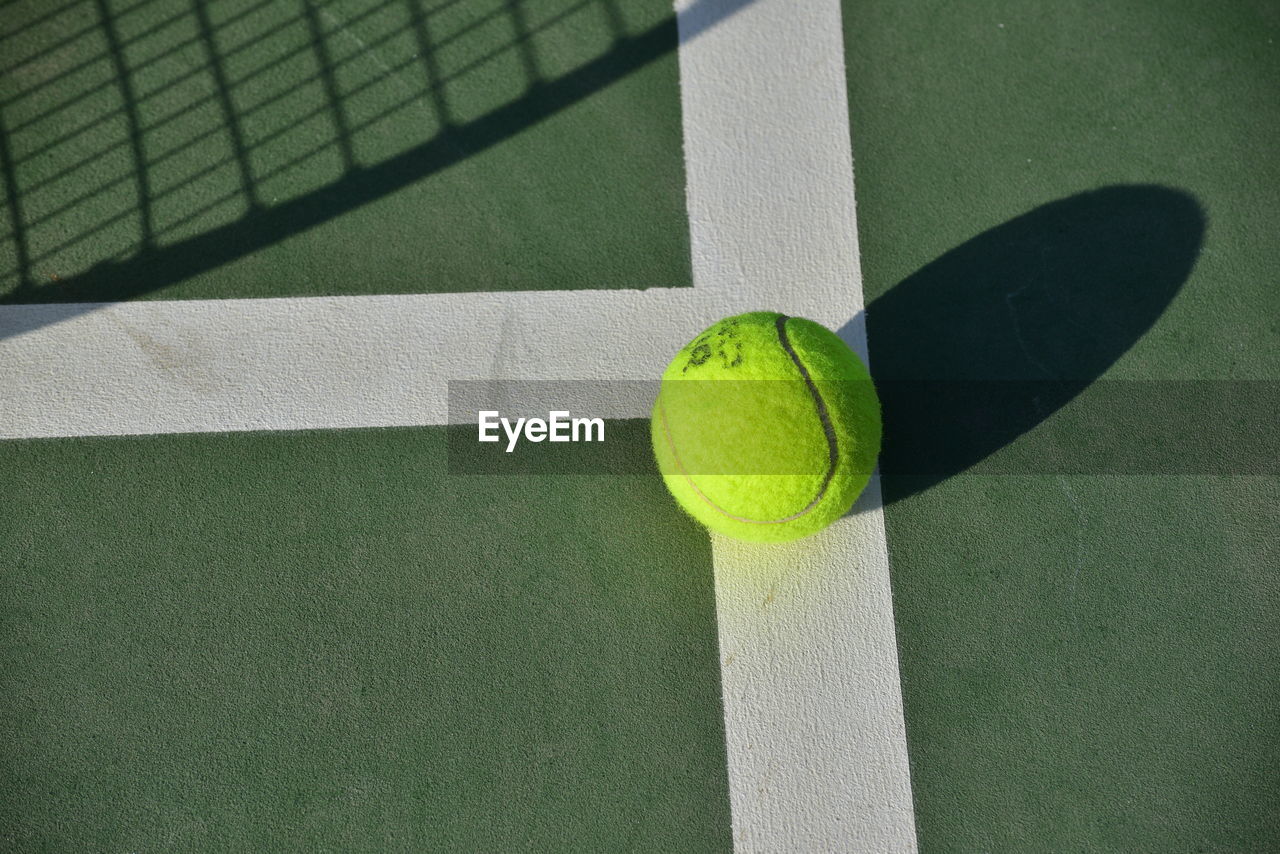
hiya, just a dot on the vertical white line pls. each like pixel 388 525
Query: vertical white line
pixel 813 707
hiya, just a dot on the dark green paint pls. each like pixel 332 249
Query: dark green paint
pixel 163 149
pixel 323 641
pixel 1089 664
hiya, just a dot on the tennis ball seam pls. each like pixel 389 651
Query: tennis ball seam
pixel 824 417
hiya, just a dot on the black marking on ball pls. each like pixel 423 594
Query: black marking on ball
pixel 726 346
pixel 697 356
pixel 833 448
pixel 728 334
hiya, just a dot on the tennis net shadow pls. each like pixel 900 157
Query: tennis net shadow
pixel 145 142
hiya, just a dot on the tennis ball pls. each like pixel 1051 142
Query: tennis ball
pixel 766 427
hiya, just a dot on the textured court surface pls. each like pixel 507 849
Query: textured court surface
pixel 167 149
pixel 279 639
pixel 332 650
pixel 1088 662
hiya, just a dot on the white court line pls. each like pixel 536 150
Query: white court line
pixel 813 713
pixel 813 706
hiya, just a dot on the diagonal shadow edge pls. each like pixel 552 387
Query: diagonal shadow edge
pixel 154 269
pixel 979 348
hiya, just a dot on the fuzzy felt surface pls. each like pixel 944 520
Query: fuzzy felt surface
pixel 766 427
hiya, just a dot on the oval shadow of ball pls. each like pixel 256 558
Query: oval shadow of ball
pixel 988 341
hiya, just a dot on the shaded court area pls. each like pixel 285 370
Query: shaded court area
pixel 1082 200
pixel 175 149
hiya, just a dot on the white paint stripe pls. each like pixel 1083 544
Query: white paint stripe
pixel 280 364
pixel 812 701
pixel 817 753
pixel 813 708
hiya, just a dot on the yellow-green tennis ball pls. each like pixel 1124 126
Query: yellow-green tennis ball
pixel 766 427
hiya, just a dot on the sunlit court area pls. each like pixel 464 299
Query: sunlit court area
pixel 625 425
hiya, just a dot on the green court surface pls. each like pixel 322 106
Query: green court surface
pixel 347 639
pixel 309 641
pixel 1089 663
pixel 165 149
